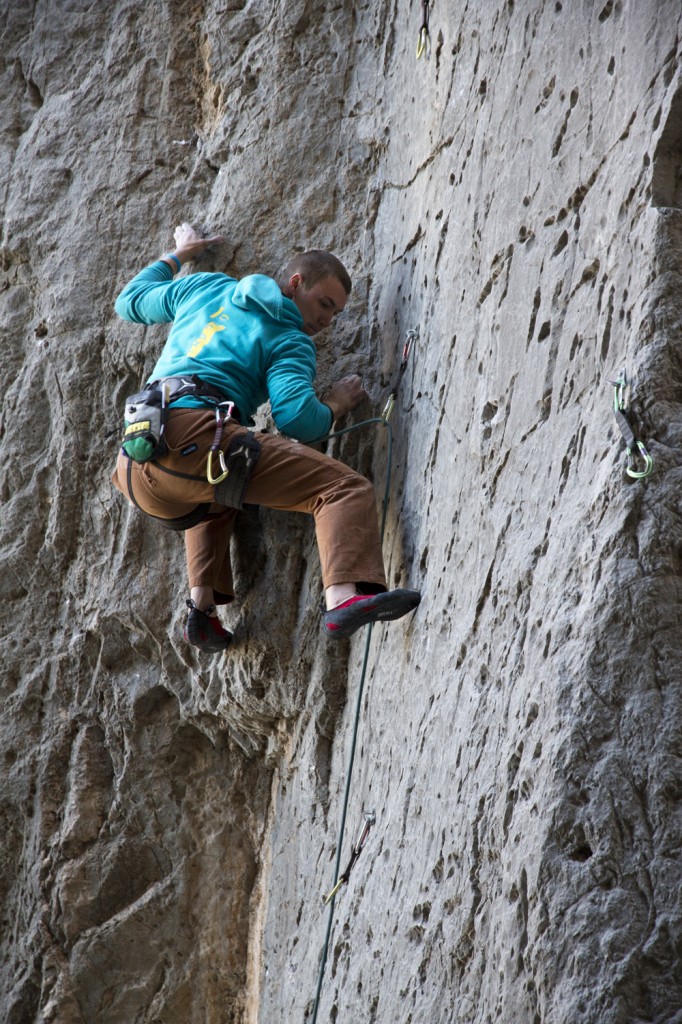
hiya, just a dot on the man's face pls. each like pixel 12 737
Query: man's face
pixel 319 304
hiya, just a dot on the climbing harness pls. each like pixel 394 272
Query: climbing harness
pixel 330 900
pixel 424 39
pixel 146 413
pixel 370 819
pixel 620 393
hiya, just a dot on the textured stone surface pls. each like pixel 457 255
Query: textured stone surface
pixel 168 825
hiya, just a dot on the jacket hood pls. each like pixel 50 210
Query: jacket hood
pixel 261 293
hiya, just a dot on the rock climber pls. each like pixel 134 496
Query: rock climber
pixel 232 346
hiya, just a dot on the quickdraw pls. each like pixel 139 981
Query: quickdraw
pixel 411 336
pixel 370 819
pixel 223 412
pixel 424 39
pixel 620 393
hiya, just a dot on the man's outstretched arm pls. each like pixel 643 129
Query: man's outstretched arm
pixel 147 298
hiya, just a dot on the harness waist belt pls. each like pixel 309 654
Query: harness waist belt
pixel 180 387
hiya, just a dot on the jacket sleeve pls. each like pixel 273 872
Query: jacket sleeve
pixel 153 297
pixel 296 409
pixel 146 299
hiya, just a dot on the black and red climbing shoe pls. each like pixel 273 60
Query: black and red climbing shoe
pixel 204 631
pixel 359 611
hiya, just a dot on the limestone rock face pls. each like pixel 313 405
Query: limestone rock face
pixel 169 823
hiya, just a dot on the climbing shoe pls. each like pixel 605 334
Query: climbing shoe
pixel 359 611
pixel 204 631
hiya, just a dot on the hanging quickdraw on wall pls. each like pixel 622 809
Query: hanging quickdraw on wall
pixel 424 39
pixel 632 442
pixel 370 819
pixel 411 336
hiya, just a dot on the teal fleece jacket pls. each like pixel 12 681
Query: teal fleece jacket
pixel 244 337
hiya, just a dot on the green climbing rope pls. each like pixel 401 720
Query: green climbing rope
pixel 410 339
pixel 358 705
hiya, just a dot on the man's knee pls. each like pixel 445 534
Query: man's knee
pixel 357 489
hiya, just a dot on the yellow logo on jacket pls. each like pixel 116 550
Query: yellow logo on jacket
pixel 208 332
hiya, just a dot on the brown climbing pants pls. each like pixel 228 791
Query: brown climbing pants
pixel 288 476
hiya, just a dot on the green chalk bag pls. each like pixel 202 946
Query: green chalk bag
pixel 145 419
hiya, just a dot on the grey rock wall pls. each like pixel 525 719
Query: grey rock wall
pixel 168 823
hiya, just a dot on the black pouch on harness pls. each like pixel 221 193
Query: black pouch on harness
pixel 145 419
pixel 238 463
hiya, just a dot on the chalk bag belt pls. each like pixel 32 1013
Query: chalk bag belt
pixel 237 463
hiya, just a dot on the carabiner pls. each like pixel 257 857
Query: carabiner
pixel 620 392
pixel 648 463
pixel 410 338
pixel 388 408
pixel 213 480
pixel 424 39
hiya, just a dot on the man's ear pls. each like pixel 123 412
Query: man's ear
pixel 295 282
